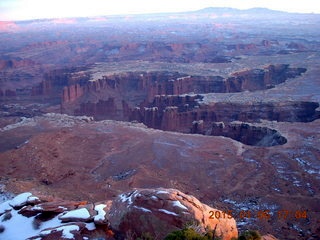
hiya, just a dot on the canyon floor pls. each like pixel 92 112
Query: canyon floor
pixel 224 108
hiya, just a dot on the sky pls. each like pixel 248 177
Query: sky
pixel 37 9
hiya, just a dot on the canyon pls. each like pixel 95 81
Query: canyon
pixel 224 108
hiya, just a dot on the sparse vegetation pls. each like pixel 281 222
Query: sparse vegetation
pixel 146 236
pixel 250 235
pixel 191 234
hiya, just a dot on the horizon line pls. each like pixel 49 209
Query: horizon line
pixel 155 13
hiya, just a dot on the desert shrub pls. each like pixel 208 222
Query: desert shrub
pixel 145 236
pixel 250 235
pixel 189 234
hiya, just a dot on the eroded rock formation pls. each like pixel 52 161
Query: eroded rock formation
pixel 173 101
pixel 117 96
pixel 247 133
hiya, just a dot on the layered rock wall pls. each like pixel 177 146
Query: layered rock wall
pixel 155 89
pixel 183 115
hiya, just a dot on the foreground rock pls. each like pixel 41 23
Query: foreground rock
pixel 157 212
pixel 139 213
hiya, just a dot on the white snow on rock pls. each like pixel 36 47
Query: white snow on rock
pixel 63 208
pixel 162 192
pixel 66 231
pixel 143 209
pixel 125 198
pixel 23 122
pixel 20 200
pixel 5 207
pixel 179 204
pixel 90 226
pixel 168 212
pixel 19 227
pixel 128 197
pixel 100 212
pixel 154 198
pixel 81 213
pixel 37 208
pixel 32 199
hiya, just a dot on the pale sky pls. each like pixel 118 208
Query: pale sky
pixel 36 9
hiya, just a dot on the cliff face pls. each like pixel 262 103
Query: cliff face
pixel 15 63
pixel 172 101
pixel 185 113
pixel 154 98
pixel 65 82
pixel 247 133
pixel 259 79
pixel 72 93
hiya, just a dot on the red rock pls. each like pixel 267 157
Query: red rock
pixel 161 211
pixel 268 237
pixel 52 207
pixel 83 214
pixel 71 93
pixel 67 231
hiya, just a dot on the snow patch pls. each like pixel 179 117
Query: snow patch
pixel 125 198
pixel 5 207
pixel 39 208
pixel 81 213
pixel 168 212
pixel 143 209
pixel 162 192
pixel 18 227
pixel 63 208
pixel 90 226
pixel 20 200
pixel 66 231
pixel 128 197
pixel 180 205
pixel 101 213
pixel 33 198
pixel 23 122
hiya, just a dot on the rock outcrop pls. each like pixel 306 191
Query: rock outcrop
pixel 180 113
pixel 142 212
pixel 118 96
pixel 161 211
pixel 248 134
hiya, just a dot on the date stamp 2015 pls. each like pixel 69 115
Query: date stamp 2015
pixel 260 214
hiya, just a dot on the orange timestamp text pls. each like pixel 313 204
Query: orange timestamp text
pixel 259 214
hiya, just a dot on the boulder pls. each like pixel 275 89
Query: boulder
pixel 157 212
pixel 51 207
pixel 78 215
pixel 24 199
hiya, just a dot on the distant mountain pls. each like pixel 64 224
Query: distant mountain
pixel 256 12
pixel 235 10
pixel 217 10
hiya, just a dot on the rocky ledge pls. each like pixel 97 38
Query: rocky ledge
pixel 131 215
